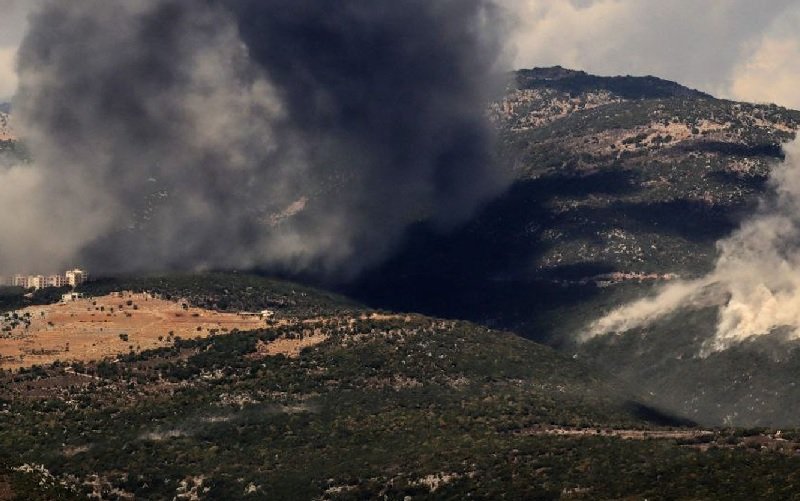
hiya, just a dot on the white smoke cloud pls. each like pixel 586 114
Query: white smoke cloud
pixel 756 280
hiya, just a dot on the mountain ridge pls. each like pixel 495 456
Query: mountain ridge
pixel 577 81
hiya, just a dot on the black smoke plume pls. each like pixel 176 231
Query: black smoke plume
pixel 294 134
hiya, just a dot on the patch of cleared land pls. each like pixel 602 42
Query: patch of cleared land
pixel 292 346
pixel 101 327
pixel 288 347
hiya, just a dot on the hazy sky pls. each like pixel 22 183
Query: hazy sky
pixel 740 49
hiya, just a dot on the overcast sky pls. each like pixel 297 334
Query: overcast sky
pixel 740 49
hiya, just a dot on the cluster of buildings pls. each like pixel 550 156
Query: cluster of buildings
pixel 72 278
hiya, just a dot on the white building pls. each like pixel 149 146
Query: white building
pixel 71 278
pixel 71 296
pixel 76 277
pixel 57 281
pixel 37 282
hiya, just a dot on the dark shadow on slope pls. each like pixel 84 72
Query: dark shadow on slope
pixel 770 150
pixel 689 219
pixel 489 271
pixel 755 182
pixel 483 272
pixel 656 416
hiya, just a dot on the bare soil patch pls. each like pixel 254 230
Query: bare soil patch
pixel 289 347
pixel 101 327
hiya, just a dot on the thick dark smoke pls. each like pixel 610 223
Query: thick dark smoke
pixel 294 134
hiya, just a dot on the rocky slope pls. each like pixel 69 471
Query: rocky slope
pixel 648 153
pixel 622 183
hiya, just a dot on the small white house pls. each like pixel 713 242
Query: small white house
pixel 261 314
pixel 70 297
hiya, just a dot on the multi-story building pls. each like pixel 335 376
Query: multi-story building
pixel 76 277
pixel 57 281
pixel 72 278
pixel 37 282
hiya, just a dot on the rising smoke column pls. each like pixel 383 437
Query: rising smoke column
pixel 756 280
pixel 292 134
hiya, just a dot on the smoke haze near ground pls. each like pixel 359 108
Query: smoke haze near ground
pixel 756 280
pixel 296 135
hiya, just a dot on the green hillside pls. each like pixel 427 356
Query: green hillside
pixel 394 405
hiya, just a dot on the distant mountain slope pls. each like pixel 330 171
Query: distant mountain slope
pixel 681 160
pixel 621 183
pixel 542 95
pixel 610 183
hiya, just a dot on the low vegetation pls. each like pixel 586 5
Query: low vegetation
pixel 381 405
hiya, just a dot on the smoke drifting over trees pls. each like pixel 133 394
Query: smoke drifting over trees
pixel 756 280
pixel 297 135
